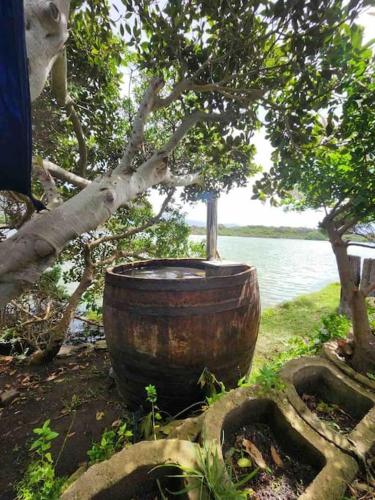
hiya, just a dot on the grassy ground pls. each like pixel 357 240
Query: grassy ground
pixel 297 317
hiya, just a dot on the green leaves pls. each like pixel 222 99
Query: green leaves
pixel 112 440
pixel 40 481
pixel 43 443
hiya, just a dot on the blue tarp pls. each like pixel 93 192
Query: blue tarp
pixel 15 103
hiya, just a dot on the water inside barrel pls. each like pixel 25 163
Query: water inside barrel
pixel 166 272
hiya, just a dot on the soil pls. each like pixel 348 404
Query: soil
pixel 75 392
pixel 331 414
pixel 284 481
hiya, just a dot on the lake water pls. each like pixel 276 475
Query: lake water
pixel 286 268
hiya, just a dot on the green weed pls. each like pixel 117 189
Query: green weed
pixel 267 379
pixel 213 388
pixel 149 425
pixel 112 440
pixel 40 481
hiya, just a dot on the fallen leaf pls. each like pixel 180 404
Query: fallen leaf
pixel 99 415
pixel 52 376
pixel 276 457
pixel 254 453
pixel 6 359
pixel 116 423
pixel 71 434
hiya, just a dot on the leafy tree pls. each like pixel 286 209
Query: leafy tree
pixel 331 166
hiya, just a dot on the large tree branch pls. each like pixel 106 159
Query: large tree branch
pixel 46 34
pixel 136 138
pixel 64 100
pixel 25 255
pixel 51 192
pixel 182 180
pixel 187 123
pixel 347 225
pixel 359 244
pixel 62 174
pixel 232 93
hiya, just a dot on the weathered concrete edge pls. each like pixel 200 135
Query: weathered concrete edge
pixel 357 442
pixel 101 476
pixel 330 352
pixel 340 469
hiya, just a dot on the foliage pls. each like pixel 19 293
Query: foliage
pixel 149 425
pixel 211 475
pixel 331 161
pixel 214 388
pixel 333 326
pixel 26 323
pixel 40 481
pixel 112 440
pixel 262 47
pixel 331 166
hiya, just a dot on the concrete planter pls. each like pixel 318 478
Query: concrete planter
pixel 331 353
pixel 131 473
pixel 241 407
pixel 317 376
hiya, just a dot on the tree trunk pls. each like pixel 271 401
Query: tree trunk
pixel 58 333
pixel 363 359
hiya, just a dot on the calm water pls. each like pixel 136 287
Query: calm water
pixel 286 268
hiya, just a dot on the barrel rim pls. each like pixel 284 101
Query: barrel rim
pixel 114 277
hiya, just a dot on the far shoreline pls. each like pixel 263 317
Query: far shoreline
pixel 301 233
pixel 272 232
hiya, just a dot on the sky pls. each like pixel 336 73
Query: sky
pixel 237 207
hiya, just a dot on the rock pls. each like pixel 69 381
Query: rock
pixel 8 396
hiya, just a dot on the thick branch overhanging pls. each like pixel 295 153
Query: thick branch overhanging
pixel 137 135
pixel 52 195
pixel 63 175
pixel 24 256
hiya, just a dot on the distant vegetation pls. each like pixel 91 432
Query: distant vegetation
pixel 299 233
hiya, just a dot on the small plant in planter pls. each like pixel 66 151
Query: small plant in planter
pixel 211 474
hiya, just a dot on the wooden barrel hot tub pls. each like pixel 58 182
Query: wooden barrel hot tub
pixel 167 320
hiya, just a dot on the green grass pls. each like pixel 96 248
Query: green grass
pixel 295 318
